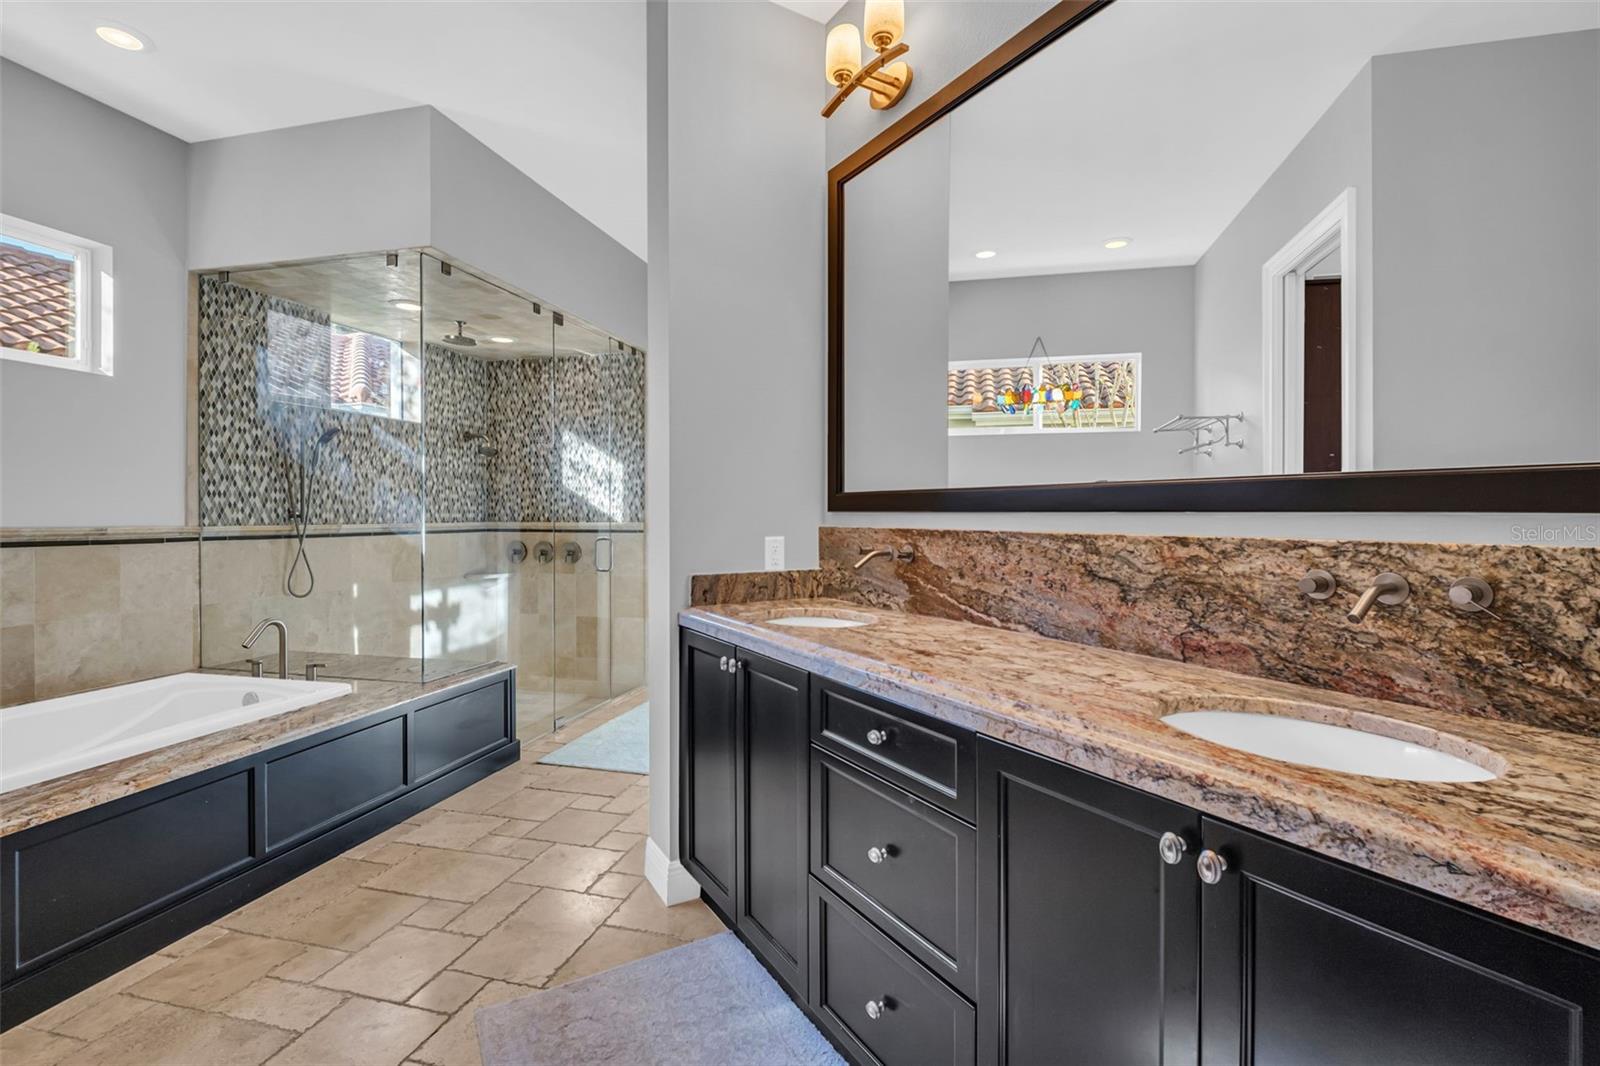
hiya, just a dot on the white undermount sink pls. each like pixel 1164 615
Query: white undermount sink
pixel 818 621
pixel 1329 747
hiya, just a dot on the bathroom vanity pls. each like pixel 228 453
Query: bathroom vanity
pixel 957 844
pixel 109 864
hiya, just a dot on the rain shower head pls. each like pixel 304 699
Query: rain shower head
pixel 459 338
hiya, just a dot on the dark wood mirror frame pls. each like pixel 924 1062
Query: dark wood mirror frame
pixel 1571 487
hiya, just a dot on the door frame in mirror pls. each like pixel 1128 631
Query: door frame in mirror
pixel 1554 488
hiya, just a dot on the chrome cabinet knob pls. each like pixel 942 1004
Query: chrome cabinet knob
pixel 1172 847
pixel 877 737
pixel 1210 866
pixel 877 853
pixel 722 664
pixel 874 1009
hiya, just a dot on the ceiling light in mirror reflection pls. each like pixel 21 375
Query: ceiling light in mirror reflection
pixel 985 254
pixel 1115 243
pixel 502 340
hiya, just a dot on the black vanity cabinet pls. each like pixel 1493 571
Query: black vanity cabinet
pixel 1095 948
pixel 1089 941
pixel 744 747
pixel 1308 960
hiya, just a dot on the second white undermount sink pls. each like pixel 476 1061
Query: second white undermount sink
pixel 1329 747
pixel 817 621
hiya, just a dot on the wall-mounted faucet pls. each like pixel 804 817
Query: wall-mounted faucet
pixel 283 643
pixel 904 554
pixel 1472 595
pixel 1387 588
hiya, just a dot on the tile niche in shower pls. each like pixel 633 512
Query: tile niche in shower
pixel 419 470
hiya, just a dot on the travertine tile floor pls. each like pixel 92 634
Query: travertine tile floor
pixel 526 880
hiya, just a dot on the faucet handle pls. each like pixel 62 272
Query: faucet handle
pixel 312 668
pixel 1318 585
pixel 1472 595
pixel 255 667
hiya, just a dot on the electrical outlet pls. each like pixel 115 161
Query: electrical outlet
pixel 774 553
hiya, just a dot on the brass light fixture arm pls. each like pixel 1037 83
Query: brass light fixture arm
pixel 880 84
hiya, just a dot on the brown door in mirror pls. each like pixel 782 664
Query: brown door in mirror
pixel 1323 409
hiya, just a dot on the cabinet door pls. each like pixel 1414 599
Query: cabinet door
pixel 773 778
pixel 1087 940
pixel 709 742
pixel 1308 960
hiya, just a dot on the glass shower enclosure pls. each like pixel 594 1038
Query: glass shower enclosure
pixel 420 470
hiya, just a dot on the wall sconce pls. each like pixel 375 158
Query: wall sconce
pixel 885 80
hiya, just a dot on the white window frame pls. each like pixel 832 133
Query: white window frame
pixel 91 300
pixel 1038 426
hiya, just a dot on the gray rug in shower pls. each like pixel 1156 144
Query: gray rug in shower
pixel 622 744
pixel 709 1003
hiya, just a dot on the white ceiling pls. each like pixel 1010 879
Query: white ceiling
pixel 557 88
pixel 1158 120
pixel 815 10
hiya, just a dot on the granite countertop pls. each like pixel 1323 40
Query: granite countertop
pixel 49 800
pixel 1525 845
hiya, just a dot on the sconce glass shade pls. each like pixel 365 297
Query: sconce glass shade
pixel 844 54
pixel 884 23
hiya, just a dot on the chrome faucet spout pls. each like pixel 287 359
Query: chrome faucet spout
pixel 1388 589
pixel 905 554
pixel 283 642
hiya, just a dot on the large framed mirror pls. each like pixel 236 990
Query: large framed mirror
pixel 1305 256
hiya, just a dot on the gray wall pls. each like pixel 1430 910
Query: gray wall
pixel 1485 161
pixel 1146 311
pixel 490 214
pixel 423 181
pixel 1335 154
pixel 329 188
pixel 81 449
pixel 897 251
pixel 735 373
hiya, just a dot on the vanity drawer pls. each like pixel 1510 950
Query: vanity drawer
pixel 909 867
pixel 878 1000
pixel 927 757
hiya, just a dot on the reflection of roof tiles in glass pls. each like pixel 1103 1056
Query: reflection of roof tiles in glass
pixel 36 300
pixel 1103 384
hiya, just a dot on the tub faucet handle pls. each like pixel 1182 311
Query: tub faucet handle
pixel 255 667
pixel 312 668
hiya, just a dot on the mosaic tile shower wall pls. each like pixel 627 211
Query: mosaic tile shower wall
pixel 534 441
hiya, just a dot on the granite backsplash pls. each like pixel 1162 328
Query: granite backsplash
pixel 1232 603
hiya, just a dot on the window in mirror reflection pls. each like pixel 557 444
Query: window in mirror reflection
pixel 1083 394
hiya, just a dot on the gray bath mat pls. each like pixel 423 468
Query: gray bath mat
pixel 709 1003
pixel 622 744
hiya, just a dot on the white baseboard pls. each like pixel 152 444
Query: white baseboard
pixel 672 882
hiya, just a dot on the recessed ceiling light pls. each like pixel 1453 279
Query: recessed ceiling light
pixel 1114 243
pixel 986 254
pixel 405 305
pixel 502 340
pixel 120 37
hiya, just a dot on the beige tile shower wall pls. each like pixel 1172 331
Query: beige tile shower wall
pixel 78 617
pixel 367 599
pixel 627 612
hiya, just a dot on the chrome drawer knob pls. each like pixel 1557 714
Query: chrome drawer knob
pixel 877 737
pixel 874 1009
pixel 722 664
pixel 877 854
pixel 1172 847
pixel 1210 866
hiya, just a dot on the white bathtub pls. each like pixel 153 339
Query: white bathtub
pixel 52 738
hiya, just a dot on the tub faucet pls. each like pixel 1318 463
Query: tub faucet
pixel 1388 589
pixel 283 643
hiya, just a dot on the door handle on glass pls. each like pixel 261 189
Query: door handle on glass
pixel 1210 865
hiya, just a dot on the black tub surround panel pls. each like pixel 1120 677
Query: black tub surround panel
pixel 104 884
pixel 962 899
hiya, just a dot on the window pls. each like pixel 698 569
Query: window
pixel 55 298
pixel 330 365
pixel 1081 394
